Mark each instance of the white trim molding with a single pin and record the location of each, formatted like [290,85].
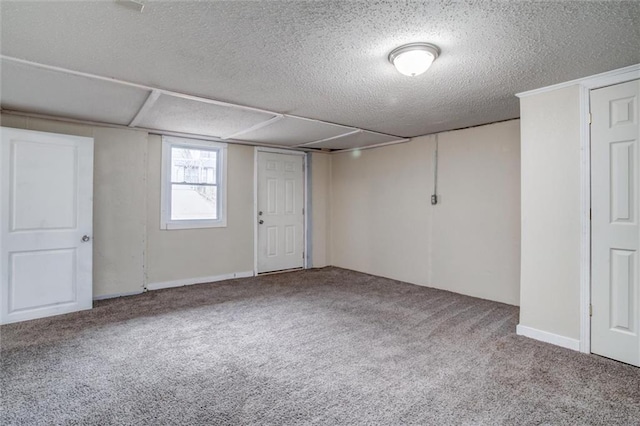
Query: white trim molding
[198,280]
[545,336]
[585,223]
[600,80]
[113,296]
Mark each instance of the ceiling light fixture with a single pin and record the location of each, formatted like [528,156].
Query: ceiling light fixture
[414,58]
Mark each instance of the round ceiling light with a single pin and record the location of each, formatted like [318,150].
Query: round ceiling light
[414,58]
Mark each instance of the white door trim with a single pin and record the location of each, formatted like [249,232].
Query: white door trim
[586,85]
[255,201]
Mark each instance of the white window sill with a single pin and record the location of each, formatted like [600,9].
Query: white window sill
[194,224]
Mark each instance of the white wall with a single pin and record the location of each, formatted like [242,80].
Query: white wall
[476,224]
[382,221]
[550,269]
[380,212]
[119,194]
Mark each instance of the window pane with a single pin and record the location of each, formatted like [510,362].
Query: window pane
[193,165]
[191,202]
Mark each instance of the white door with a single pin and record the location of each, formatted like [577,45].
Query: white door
[46,187]
[280,211]
[615,188]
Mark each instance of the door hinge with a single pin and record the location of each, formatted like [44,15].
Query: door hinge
[590,118]
[589,214]
[590,310]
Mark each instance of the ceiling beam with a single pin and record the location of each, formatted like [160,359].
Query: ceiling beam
[353,132]
[378,145]
[260,125]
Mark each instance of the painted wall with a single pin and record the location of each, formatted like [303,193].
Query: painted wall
[382,221]
[193,253]
[130,250]
[476,225]
[550,269]
[320,209]
[380,212]
[370,212]
[119,194]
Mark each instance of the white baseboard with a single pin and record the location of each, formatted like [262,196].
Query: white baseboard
[199,280]
[545,336]
[113,296]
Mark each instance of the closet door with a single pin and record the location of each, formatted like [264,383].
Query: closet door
[615,189]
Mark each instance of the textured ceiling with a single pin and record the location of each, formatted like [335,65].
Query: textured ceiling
[327,60]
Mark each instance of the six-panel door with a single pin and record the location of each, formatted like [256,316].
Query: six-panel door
[615,188]
[280,211]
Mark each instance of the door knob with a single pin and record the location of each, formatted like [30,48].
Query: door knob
[85,238]
[261,221]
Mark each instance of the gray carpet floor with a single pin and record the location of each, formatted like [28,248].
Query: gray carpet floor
[326,346]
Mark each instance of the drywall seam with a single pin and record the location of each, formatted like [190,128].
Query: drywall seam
[430,228]
[145,275]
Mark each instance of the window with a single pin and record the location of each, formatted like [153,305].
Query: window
[194,176]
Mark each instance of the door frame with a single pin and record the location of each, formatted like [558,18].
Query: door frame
[307,202]
[587,84]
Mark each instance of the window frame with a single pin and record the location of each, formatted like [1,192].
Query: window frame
[169,142]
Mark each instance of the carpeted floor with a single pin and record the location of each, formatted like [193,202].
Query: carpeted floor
[326,346]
